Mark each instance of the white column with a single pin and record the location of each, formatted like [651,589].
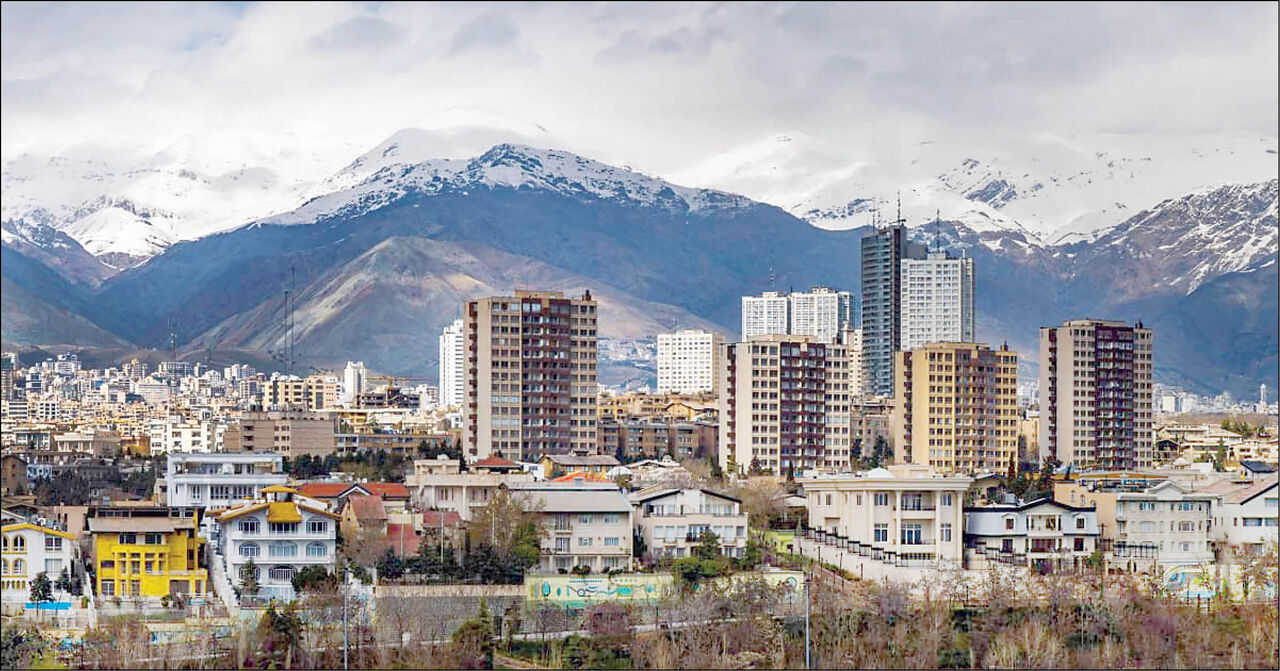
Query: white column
[871,516]
[896,532]
[937,524]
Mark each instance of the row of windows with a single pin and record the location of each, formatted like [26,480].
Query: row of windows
[19,543]
[283,549]
[251,527]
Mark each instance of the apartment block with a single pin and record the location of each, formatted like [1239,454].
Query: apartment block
[290,433]
[882,256]
[587,524]
[687,361]
[220,480]
[956,407]
[146,551]
[672,520]
[766,314]
[1095,394]
[936,300]
[821,313]
[785,404]
[311,393]
[453,365]
[531,375]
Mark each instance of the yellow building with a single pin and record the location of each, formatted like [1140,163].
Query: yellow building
[147,551]
[956,407]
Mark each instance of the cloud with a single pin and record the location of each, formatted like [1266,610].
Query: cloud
[659,86]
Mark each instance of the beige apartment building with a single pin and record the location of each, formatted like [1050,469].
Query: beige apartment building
[785,404]
[530,375]
[291,433]
[311,393]
[1095,394]
[956,407]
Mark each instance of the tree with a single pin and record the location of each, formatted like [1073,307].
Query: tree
[511,527]
[1220,457]
[41,589]
[638,546]
[389,565]
[315,579]
[473,641]
[1257,569]
[708,546]
[249,579]
[281,630]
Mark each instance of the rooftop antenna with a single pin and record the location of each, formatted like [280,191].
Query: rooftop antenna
[899,220]
[293,278]
[773,280]
[937,230]
[173,342]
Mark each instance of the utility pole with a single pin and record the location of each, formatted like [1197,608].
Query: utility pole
[807,579]
[345,645]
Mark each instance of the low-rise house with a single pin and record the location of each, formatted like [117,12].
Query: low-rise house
[220,479]
[334,495]
[439,484]
[554,465]
[29,550]
[364,516]
[671,521]
[587,524]
[279,534]
[147,551]
[902,515]
[1245,514]
[1165,525]
[1043,535]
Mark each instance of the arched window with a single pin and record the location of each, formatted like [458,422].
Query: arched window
[4,544]
[19,543]
[284,549]
[249,550]
[19,567]
[317,550]
[4,566]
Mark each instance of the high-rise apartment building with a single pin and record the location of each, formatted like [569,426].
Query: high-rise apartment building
[687,361]
[531,375]
[8,367]
[785,405]
[288,392]
[452,365]
[882,256]
[936,300]
[956,407]
[766,314]
[352,382]
[821,313]
[1095,394]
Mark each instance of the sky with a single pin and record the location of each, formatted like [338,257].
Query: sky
[658,86]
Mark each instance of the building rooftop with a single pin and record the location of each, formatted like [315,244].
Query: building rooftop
[367,507]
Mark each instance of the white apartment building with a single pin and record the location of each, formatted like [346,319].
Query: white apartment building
[902,515]
[453,365]
[785,405]
[687,361]
[936,300]
[29,550]
[176,434]
[221,479]
[821,313]
[281,536]
[1043,535]
[1167,524]
[151,390]
[587,524]
[766,314]
[1095,394]
[671,521]
[352,382]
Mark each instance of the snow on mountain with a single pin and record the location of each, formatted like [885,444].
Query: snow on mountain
[1051,189]
[505,165]
[118,230]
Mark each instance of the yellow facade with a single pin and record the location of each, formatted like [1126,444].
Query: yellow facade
[149,563]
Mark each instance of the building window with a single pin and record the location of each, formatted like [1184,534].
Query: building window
[946,532]
[280,574]
[249,527]
[882,533]
[611,518]
[912,502]
[108,588]
[317,527]
[284,549]
[127,539]
[584,541]
[317,550]
[1079,545]
[249,550]
[562,545]
[584,518]
[284,527]
[612,542]
[1008,524]
[1080,522]
[155,539]
[946,499]
[52,543]
[911,533]
[882,498]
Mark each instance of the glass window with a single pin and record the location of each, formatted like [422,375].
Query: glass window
[584,541]
[53,543]
[946,532]
[612,542]
[317,550]
[317,527]
[882,533]
[281,573]
[584,518]
[284,549]
[248,527]
[249,550]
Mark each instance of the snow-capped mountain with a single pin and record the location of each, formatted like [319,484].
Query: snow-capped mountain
[1052,189]
[506,166]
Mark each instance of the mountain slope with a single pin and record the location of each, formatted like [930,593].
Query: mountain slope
[37,305]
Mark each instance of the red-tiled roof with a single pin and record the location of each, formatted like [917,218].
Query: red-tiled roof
[402,539]
[496,462]
[431,518]
[367,507]
[387,490]
[323,490]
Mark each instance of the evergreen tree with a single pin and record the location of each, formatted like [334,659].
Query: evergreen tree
[41,589]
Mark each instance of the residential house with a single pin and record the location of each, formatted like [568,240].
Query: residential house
[587,524]
[146,551]
[364,516]
[279,534]
[902,515]
[220,479]
[1043,535]
[1166,525]
[29,550]
[334,495]
[672,520]
[441,485]
[554,465]
[1245,514]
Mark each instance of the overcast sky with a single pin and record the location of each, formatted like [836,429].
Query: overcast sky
[659,85]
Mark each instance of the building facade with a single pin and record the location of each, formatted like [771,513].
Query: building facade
[587,524]
[280,536]
[882,256]
[687,361]
[352,382]
[531,375]
[453,364]
[822,313]
[902,514]
[221,480]
[290,433]
[147,551]
[956,407]
[936,300]
[766,314]
[29,550]
[671,521]
[1167,524]
[1042,535]
[1095,394]
[785,405]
